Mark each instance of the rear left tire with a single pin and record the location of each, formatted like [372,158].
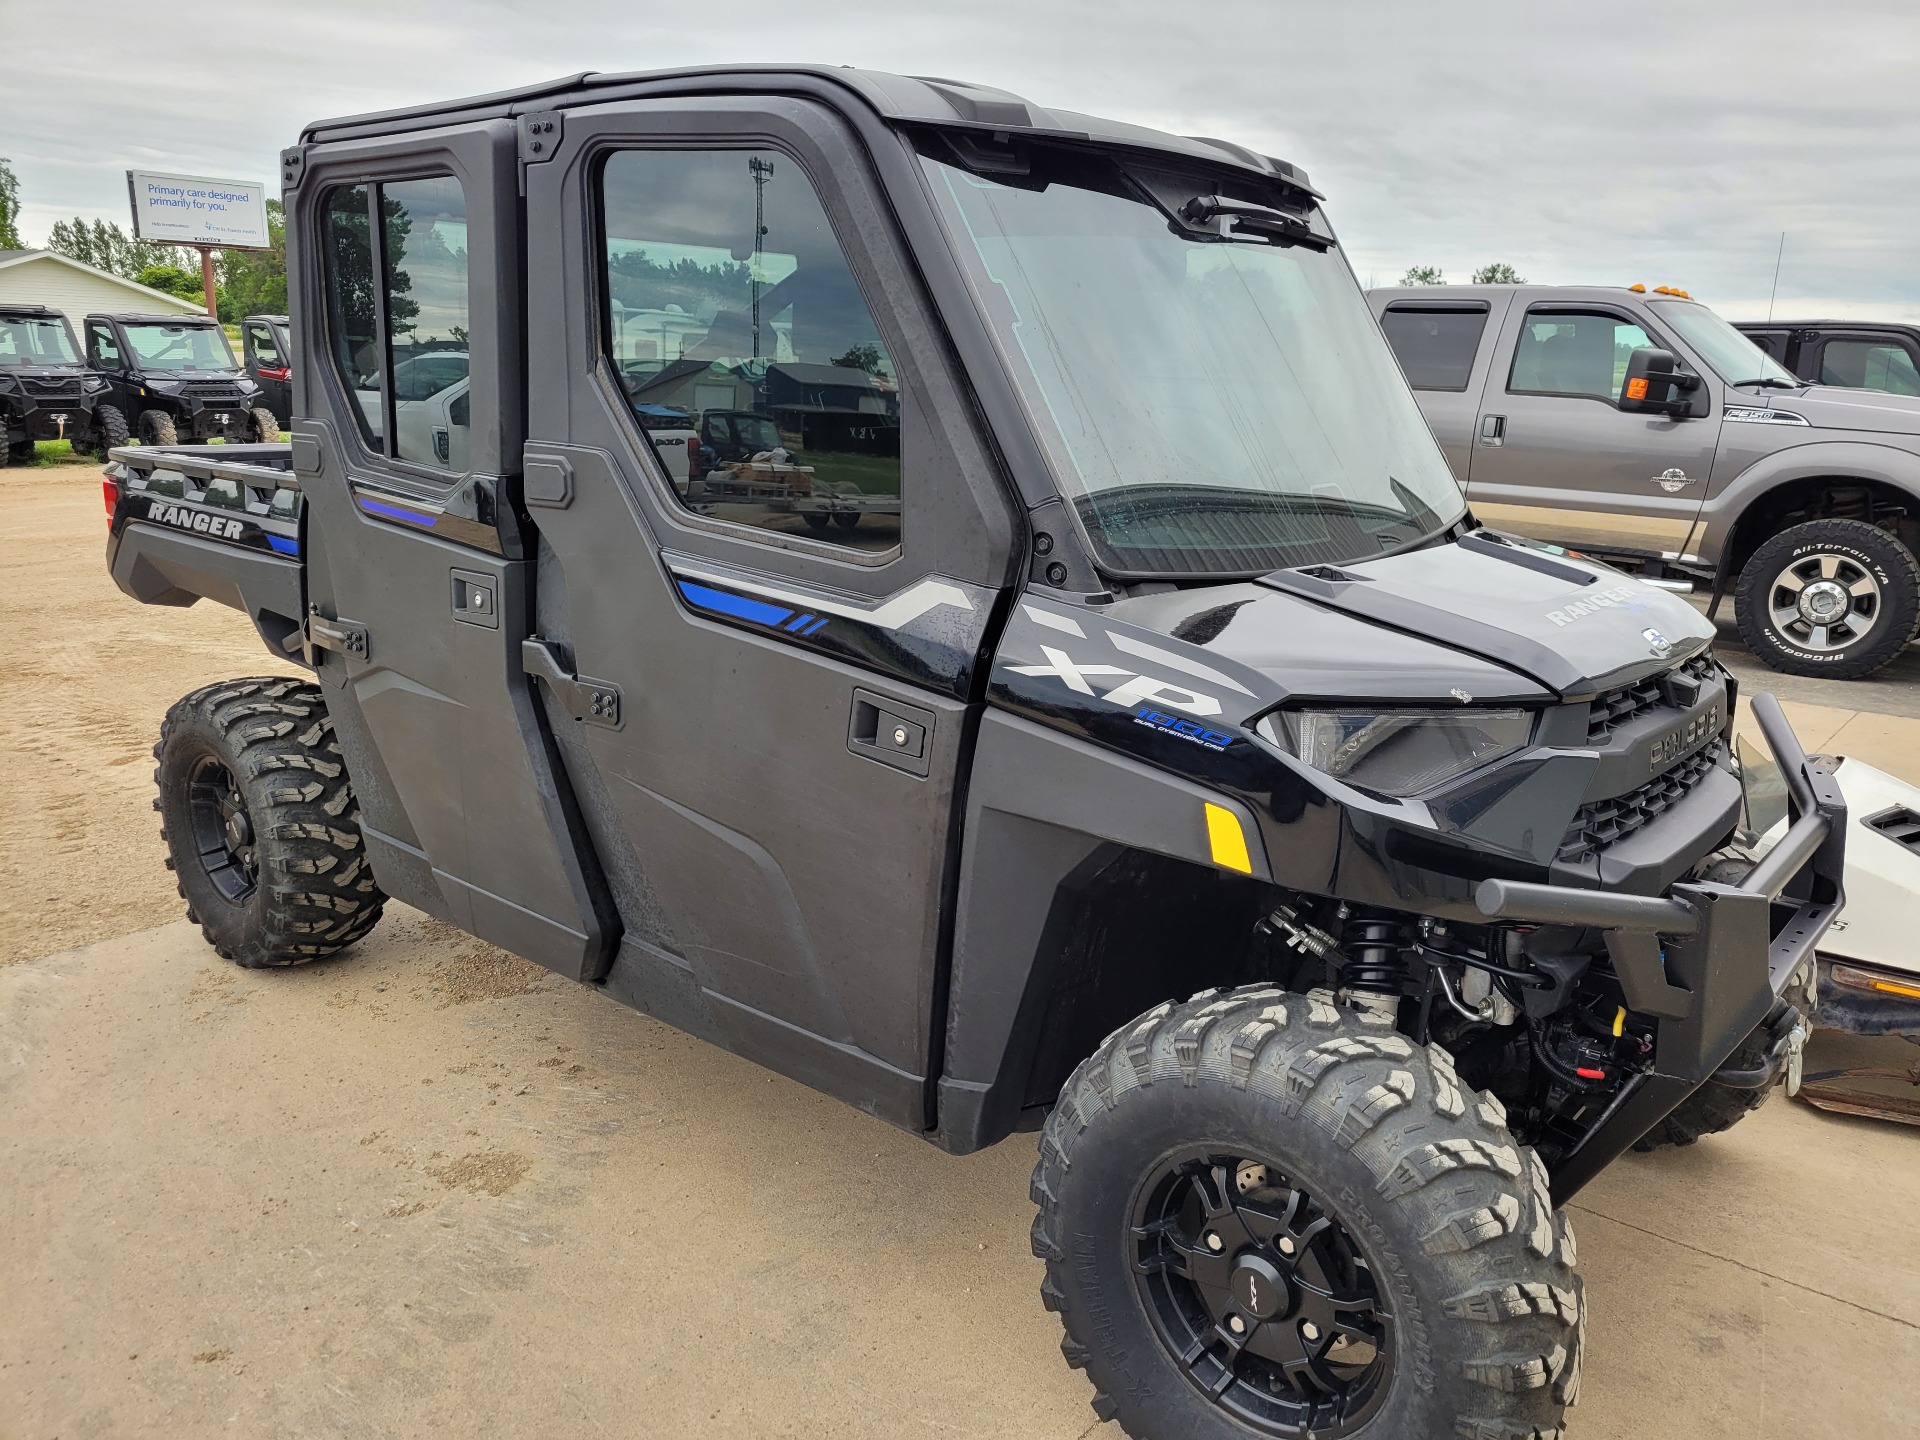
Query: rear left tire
[1262,1215]
[109,428]
[261,825]
[157,428]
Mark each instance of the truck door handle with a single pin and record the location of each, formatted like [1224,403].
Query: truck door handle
[595,701]
[1493,430]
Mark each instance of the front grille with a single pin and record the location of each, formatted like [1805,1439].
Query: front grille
[1608,822]
[1614,708]
[214,389]
[61,389]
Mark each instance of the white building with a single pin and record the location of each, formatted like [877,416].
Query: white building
[46,277]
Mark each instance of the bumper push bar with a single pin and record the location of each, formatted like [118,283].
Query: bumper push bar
[1709,961]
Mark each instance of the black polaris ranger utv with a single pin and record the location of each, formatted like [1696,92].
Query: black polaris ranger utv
[1336,885]
[266,351]
[174,378]
[45,392]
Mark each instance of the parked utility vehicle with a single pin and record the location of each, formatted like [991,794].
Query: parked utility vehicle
[1336,886]
[1850,354]
[1641,427]
[173,378]
[266,351]
[46,393]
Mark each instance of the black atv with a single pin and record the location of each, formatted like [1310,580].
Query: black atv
[173,379]
[45,392]
[267,351]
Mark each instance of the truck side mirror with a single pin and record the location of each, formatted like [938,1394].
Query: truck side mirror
[1655,385]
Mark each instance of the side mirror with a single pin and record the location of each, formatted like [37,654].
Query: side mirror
[1655,385]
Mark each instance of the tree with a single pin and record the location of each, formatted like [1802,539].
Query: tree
[1423,275]
[861,357]
[105,246]
[1498,273]
[171,278]
[9,208]
[254,282]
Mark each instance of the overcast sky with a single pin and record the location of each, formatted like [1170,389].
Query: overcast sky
[1601,142]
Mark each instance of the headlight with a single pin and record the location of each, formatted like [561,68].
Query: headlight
[1399,752]
[6,382]
[95,384]
[165,387]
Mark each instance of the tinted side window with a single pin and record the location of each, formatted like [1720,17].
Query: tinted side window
[425,294]
[1435,347]
[101,348]
[1869,365]
[352,325]
[260,337]
[1564,352]
[734,323]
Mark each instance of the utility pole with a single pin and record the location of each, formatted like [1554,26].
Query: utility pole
[762,172]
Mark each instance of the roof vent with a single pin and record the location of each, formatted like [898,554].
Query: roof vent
[984,105]
[1899,825]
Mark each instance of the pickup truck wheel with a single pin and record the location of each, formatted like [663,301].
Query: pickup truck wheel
[1263,1215]
[1833,598]
[260,823]
[156,428]
[263,428]
[109,428]
[817,520]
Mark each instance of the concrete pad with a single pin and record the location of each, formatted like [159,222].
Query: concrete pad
[428,1188]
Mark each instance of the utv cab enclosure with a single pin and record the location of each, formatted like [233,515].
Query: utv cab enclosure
[1162,759]
[266,351]
[173,378]
[45,390]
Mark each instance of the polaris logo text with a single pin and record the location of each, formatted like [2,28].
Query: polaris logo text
[1619,594]
[214,527]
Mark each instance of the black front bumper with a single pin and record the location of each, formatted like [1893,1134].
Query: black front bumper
[1709,961]
[48,419]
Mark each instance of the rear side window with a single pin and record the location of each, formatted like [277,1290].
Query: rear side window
[749,358]
[102,349]
[1869,365]
[1565,352]
[264,350]
[1435,347]
[400,343]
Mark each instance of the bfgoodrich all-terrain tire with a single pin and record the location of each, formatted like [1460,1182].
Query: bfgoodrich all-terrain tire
[261,825]
[1263,1215]
[1831,598]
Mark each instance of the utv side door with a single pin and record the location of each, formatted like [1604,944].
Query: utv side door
[417,580]
[1556,458]
[268,362]
[1866,360]
[770,716]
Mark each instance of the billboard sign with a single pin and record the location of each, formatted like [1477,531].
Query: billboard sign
[190,210]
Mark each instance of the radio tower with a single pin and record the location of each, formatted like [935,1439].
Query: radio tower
[762,172]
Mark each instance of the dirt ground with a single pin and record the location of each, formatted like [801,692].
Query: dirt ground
[426,1188]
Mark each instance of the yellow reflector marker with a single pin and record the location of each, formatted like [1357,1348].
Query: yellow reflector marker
[1229,841]
[1847,977]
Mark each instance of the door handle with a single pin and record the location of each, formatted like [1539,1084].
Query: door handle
[1493,430]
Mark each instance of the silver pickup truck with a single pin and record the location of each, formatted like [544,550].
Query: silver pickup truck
[1645,429]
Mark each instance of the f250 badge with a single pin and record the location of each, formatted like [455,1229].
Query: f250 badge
[214,527]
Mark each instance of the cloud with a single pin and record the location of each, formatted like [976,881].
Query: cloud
[1582,143]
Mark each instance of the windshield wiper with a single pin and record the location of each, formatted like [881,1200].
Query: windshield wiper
[1773,383]
[1264,220]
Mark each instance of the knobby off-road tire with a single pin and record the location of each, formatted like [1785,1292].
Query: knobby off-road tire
[157,428]
[266,429]
[1859,568]
[1713,1108]
[1401,1183]
[110,429]
[261,825]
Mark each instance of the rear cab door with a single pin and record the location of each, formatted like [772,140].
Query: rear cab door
[1557,459]
[767,703]
[267,359]
[1445,348]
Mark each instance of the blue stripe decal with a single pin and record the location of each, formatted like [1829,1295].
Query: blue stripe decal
[737,606]
[285,544]
[394,512]
[817,627]
[799,622]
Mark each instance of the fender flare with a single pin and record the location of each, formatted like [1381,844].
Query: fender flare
[1854,459]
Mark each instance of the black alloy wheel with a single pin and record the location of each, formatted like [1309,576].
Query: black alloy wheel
[1261,1295]
[223,836]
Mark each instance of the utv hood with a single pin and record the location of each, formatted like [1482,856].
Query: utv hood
[1484,618]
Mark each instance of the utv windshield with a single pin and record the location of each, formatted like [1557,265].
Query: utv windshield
[180,347]
[35,342]
[1734,358]
[1211,406]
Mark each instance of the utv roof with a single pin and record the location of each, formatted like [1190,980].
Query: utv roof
[896,99]
[20,307]
[137,317]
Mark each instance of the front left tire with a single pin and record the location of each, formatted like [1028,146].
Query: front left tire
[1263,1215]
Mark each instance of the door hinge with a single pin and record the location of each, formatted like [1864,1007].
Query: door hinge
[344,637]
[539,136]
[595,701]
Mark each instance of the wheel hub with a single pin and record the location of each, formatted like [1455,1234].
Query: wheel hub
[1261,1296]
[223,836]
[1824,602]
